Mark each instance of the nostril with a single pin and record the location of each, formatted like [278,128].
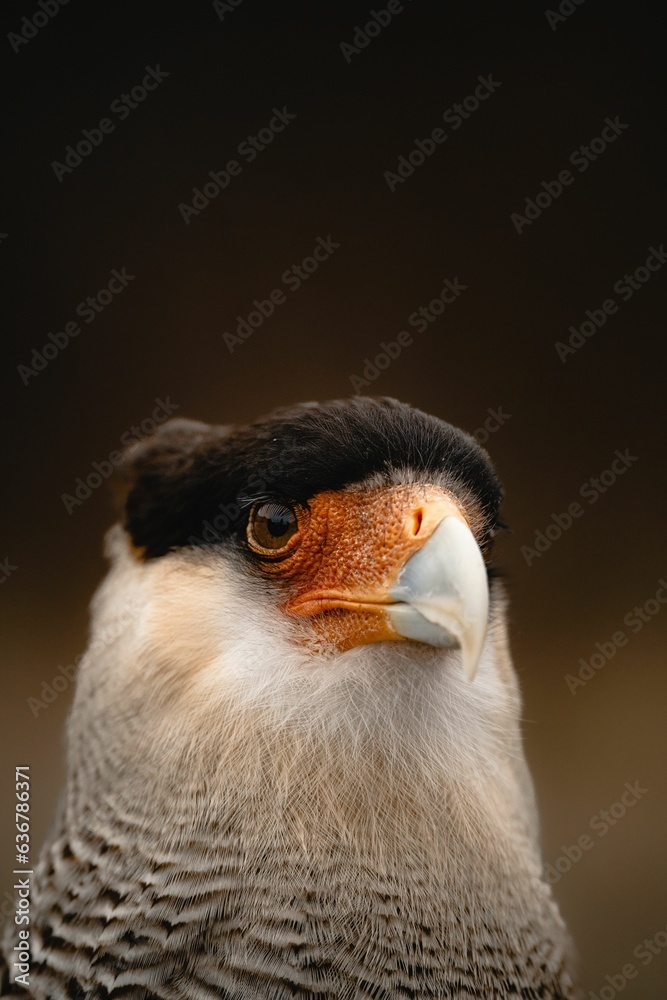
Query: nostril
[417,519]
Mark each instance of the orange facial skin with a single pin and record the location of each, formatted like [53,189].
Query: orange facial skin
[348,552]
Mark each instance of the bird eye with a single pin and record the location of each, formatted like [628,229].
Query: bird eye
[271,526]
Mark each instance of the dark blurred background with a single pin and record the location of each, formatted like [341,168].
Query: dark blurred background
[556,78]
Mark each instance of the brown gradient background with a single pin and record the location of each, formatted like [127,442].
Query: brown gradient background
[495,347]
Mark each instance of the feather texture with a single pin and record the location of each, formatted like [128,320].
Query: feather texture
[245,818]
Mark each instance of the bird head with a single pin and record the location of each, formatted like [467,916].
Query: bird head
[312,609]
[359,521]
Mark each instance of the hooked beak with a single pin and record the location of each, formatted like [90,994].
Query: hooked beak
[442,594]
[396,563]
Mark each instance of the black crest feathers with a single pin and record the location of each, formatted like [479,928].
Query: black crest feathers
[192,483]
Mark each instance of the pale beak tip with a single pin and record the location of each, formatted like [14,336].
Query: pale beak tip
[446,584]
